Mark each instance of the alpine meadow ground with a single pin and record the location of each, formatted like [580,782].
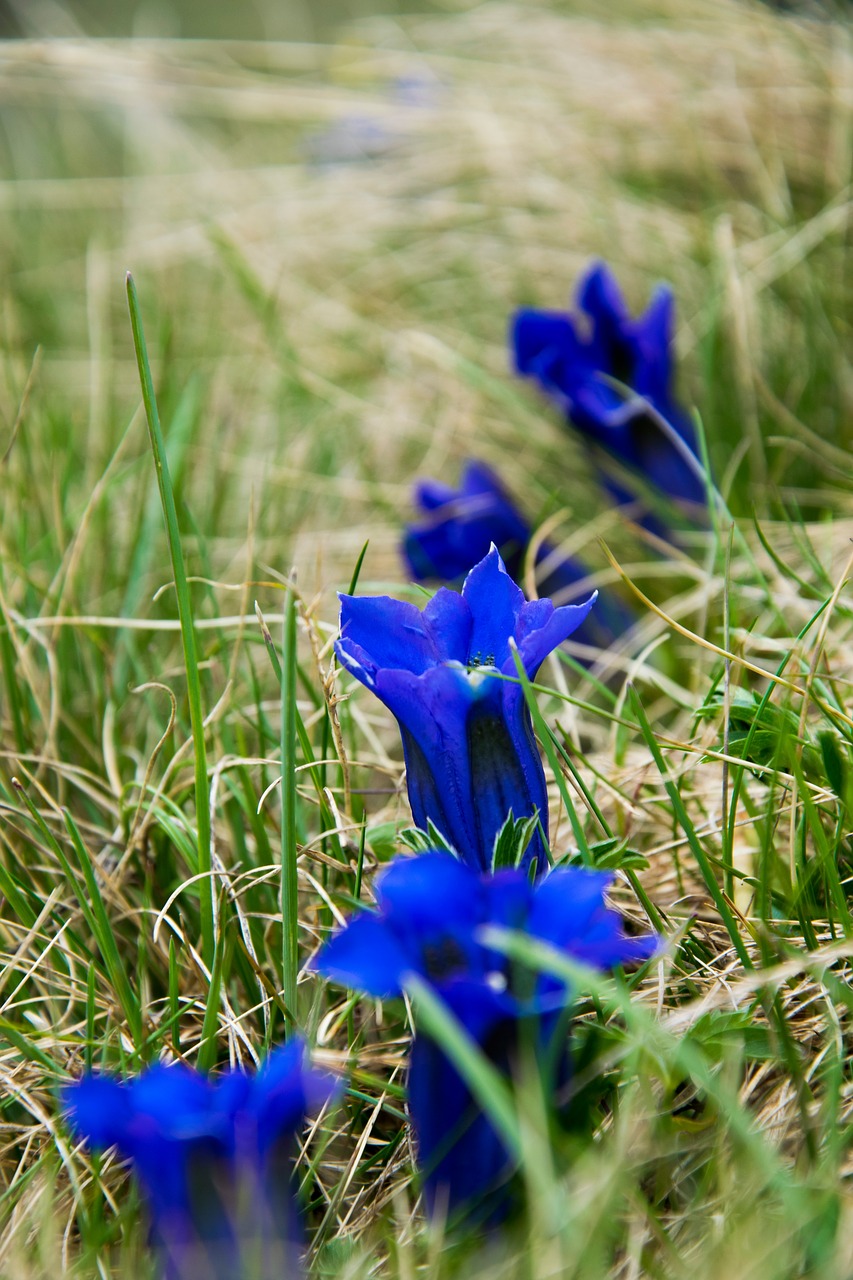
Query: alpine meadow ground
[327,244]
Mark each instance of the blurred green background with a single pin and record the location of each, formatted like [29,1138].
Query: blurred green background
[253,19]
[215,19]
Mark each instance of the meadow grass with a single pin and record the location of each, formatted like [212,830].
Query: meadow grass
[325,305]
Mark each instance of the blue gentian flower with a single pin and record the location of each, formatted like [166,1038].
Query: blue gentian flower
[432,912]
[471,757]
[460,525]
[213,1157]
[577,362]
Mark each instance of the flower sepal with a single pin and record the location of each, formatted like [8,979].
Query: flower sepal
[513,840]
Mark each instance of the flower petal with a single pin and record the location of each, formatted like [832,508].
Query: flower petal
[559,580]
[429,894]
[464,1162]
[510,896]
[578,372]
[99,1110]
[470,757]
[176,1102]
[448,620]
[378,632]
[367,956]
[653,338]
[495,603]
[565,901]
[506,775]
[433,712]
[542,628]
[542,340]
[429,495]
[284,1090]
[660,459]
[599,295]
[569,911]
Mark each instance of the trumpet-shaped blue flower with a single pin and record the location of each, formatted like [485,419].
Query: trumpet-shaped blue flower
[460,525]
[448,674]
[578,364]
[432,916]
[213,1157]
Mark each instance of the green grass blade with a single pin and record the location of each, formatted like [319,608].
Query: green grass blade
[174,997]
[544,735]
[289,883]
[683,819]
[94,913]
[646,1032]
[167,498]
[27,1048]
[181,427]
[98,920]
[356,573]
[207,1046]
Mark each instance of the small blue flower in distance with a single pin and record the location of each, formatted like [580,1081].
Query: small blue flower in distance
[577,362]
[460,525]
[213,1157]
[432,912]
[471,757]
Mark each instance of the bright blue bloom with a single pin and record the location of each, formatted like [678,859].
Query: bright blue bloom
[459,527]
[468,742]
[576,360]
[213,1157]
[431,917]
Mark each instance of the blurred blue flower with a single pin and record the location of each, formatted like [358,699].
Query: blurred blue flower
[471,757]
[577,362]
[460,525]
[213,1156]
[430,922]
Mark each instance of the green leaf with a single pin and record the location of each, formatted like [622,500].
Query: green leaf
[834,763]
[512,840]
[760,732]
[612,855]
[420,841]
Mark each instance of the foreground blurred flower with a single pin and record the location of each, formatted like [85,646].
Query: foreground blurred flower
[579,364]
[471,757]
[461,524]
[214,1158]
[431,918]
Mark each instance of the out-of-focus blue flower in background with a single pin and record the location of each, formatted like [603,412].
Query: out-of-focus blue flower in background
[448,675]
[459,525]
[213,1156]
[432,914]
[612,375]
